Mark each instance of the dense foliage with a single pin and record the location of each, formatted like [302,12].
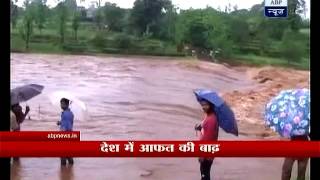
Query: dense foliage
[158,27]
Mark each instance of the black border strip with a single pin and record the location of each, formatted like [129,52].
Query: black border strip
[315,96]
[5,81]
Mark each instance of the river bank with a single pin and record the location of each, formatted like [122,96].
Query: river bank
[143,99]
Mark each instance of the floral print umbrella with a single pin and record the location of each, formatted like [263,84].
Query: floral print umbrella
[289,113]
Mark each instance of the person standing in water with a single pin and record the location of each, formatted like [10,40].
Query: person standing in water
[13,122]
[20,116]
[66,124]
[17,118]
[209,132]
[289,161]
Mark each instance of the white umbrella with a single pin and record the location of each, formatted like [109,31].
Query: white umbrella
[77,106]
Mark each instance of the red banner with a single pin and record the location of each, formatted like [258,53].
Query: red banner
[161,149]
[40,136]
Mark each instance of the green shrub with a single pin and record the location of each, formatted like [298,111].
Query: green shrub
[75,47]
[111,50]
[223,46]
[292,49]
[44,39]
[17,44]
[99,41]
[123,41]
[148,46]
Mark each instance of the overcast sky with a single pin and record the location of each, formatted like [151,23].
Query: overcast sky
[183,4]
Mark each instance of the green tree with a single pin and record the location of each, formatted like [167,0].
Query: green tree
[205,29]
[14,13]
[197,33]
[83,14]
[167,23]
[26,29]
[295,8]
[98,17]
[292,49]
[221,37]
[71,5]
[306,23]
[222,45]
[62,13]
[239,30]
[41,13]
[146,15]
[75,24]
[274,27]
[114,16]
[257,9]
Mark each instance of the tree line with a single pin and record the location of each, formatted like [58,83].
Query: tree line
[223,32]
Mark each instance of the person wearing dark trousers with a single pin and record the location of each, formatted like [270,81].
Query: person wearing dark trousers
[205,168]
[65,160]
[66,124]
[209,131]
[289,161]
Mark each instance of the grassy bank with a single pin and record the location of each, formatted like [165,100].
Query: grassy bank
[121,44]
[255,60]
[92,43]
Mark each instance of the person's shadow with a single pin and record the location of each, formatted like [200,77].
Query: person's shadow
[66,173]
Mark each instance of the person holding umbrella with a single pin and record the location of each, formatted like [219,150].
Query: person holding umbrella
[66,124]
[23,94]
[217,113]
[13,121]
[17,118]
[20,116]
[289,161]
[18,95]
[209,132]
[289,114]
[77,106]
[72,109]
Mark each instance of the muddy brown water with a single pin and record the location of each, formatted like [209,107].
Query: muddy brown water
[130,98]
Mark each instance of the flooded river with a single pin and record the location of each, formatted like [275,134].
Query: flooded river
[130,98]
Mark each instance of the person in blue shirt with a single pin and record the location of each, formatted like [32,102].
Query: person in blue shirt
[66,124]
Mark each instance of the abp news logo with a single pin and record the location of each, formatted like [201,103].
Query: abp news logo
[276,8]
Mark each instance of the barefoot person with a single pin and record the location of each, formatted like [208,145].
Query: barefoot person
[17,118]
[13,127]
[209,130]
[66,124]
[302,163]
[20,116]
[13,122]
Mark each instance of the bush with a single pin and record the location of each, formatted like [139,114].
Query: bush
[292,49]
[17,44]
[112,50]
[152,45]
[75,47]
[44,38]
[123,41]
[223,46]
[99,41]
[292,52]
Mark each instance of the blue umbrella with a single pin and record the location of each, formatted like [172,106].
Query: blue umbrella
[289,113]
[225,115]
